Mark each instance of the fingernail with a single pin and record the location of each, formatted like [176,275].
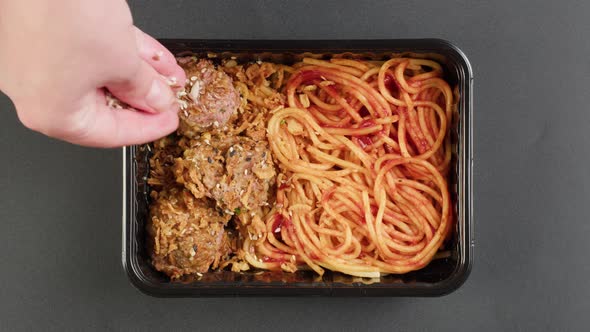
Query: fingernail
[172,82]
[160,96]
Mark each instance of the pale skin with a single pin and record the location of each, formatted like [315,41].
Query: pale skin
[58,57]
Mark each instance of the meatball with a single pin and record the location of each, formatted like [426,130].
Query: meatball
[210,98]
[200,169]
[186,234]
[250,176]
[237,172]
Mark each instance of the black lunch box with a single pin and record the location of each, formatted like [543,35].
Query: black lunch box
[440,277]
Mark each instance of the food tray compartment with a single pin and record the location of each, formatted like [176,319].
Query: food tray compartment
[440,277]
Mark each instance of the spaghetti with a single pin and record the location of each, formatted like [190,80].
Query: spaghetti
[364,152]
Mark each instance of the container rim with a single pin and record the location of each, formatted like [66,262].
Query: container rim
[465,161]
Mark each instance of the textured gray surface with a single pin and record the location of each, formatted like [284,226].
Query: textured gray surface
[60,205]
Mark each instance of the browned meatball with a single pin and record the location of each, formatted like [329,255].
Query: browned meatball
[200,169]
[210,98]
[186,234]
[250,176]
[238,175]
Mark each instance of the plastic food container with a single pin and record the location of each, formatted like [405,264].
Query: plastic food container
[440,277]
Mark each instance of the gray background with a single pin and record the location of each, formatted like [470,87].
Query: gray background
[60,205]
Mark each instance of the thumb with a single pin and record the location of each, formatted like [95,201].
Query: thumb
[102,126]
[145,90]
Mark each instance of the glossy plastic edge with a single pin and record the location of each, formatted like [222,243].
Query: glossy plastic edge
[445,287]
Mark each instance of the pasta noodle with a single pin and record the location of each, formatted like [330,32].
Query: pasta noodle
[364,152]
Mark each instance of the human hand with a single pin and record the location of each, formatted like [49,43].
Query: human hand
[57,59]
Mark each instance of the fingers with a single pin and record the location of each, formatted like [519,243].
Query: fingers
[126,127]
[146,90]
[156,55]
[140,79]
[106,127]
[149,87]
